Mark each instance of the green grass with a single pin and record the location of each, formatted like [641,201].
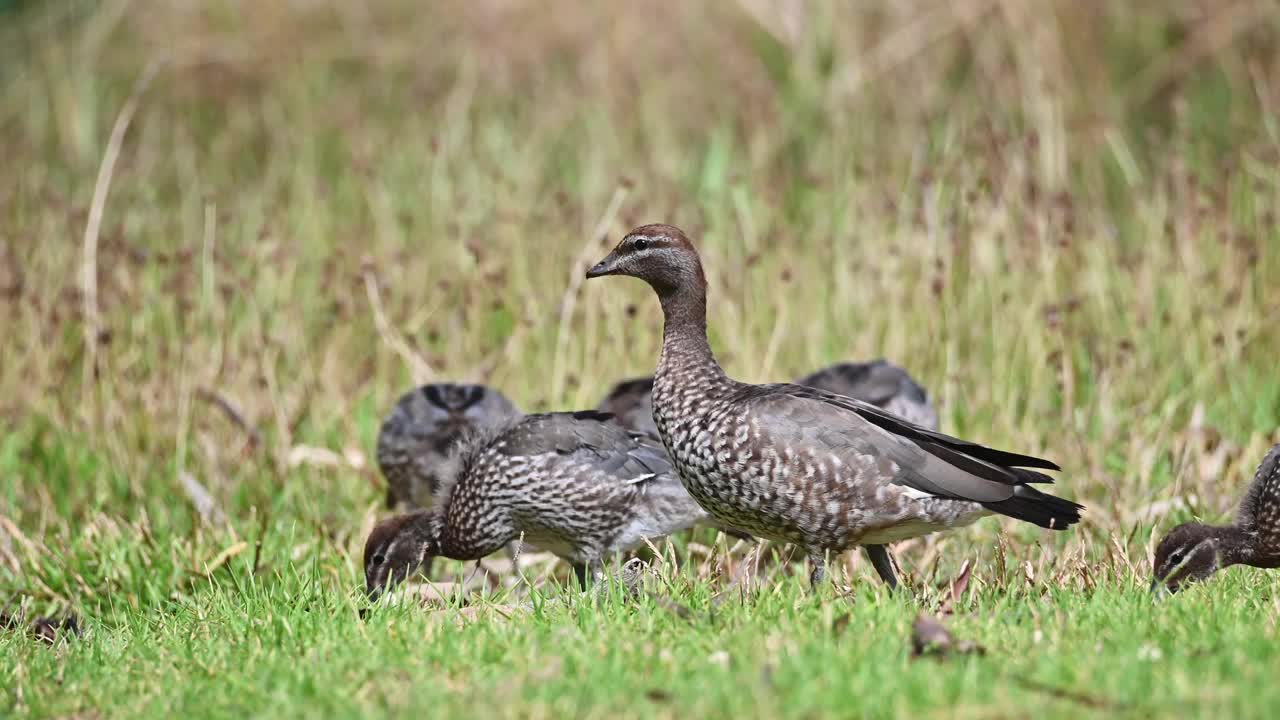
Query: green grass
[1061,218]
[293,646]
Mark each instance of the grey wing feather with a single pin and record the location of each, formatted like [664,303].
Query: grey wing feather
[590,438]
[898,426]
[927,461]
[558,432]
[651,456]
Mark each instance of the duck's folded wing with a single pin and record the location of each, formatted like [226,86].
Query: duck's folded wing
[591,439]
[902,428]
[855,432]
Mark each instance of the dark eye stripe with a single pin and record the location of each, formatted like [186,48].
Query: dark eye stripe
[447,396]
[432,393]
[475,394]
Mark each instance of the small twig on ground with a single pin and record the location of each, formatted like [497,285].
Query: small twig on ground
[1093,701]
[93,226]
[422,371]
[213,397]
[263,517]
[569,300]
[681,611]
[930,637]
[958,586]
[200,498]
[11,531]
[223,557]
[6,550]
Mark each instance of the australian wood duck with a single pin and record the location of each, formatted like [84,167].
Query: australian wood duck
[576,484]
[1192,552]
[426,422]
[803,465]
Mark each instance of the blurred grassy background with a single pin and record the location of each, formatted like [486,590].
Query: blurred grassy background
[1060,215]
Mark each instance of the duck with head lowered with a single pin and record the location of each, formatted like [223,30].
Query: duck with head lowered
[573,483]
[1192,551]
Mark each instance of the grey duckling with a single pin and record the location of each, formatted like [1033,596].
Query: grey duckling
[423,427]
[880,383]
[802,465]
[631,404]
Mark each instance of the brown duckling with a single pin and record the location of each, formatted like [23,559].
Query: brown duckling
[1193,551]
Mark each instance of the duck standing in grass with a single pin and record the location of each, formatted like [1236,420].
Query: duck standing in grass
[1192,552]
[802,465]
[575,484]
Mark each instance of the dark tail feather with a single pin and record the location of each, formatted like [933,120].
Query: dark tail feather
[1040,508]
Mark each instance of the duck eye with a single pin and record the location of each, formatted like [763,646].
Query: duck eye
[640,243]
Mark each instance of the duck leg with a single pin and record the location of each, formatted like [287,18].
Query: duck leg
[879,556]
[817,568]
[513,551]
[587,571]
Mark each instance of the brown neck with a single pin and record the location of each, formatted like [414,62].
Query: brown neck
[684,335]
[1236,546]
[467,536]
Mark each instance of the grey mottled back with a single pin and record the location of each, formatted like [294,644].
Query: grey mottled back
[827,472]
[631,404]
[576,484]
[879,383]
[1259,513]
[422,428]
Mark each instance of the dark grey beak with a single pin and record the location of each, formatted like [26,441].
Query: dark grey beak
[607,266]
[375,587]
